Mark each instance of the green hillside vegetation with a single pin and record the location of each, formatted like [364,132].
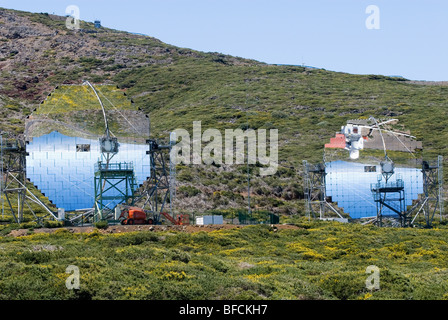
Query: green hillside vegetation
[69,98]
[306,106]
[11,115]
[77,111]
[176,86]
[319,260]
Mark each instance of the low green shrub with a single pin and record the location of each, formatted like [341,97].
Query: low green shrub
[102,224]
[189,191]
[53,224]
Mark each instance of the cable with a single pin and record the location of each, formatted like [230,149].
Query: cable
[136,130]
[382,138]
[102,107]
[396,136]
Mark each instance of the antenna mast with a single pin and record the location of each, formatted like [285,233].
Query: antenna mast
[172,185]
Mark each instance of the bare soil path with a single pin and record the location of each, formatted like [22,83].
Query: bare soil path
[133,228]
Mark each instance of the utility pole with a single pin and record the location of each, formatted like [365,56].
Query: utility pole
[172,183]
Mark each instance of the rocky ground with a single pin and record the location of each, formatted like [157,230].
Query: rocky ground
[35,48]
[123,229]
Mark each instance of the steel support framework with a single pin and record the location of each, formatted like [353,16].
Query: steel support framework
[172,175]
[431,201]
[158,187]
[390,195]
[13,181]
[153,194]
[14,176]
[114,182]
[315,191]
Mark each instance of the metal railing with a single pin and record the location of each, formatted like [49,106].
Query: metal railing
[399,184]
[116,166]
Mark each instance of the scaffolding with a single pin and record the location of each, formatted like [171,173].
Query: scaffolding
[172,175]
[431,200]
[409,195]
[13,182]
[390,195]
[153,195]
[316,200]
[114,184]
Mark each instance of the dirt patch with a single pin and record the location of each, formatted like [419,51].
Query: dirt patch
[19,232]
[123,229]
[245,265]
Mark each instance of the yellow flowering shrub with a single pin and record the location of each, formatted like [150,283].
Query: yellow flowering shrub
[259,278]
[174,275]
[306,253]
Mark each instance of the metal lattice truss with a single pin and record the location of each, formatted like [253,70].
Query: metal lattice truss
[431,201]
[114,182]
[390,195]
[14,193]
[156,191]
[315,191]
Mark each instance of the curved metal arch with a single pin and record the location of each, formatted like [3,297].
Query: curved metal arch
[102,107]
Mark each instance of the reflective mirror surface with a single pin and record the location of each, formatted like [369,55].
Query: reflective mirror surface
[62,167]
[348,184]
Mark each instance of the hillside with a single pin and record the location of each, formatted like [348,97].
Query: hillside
[298,259]
[308,261]
[177,86]
[37,53]
[65,109]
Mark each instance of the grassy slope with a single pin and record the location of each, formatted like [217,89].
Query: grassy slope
[177,86]
[321,260]
[324,260]
[306,106]
[79,98]
[13,111]
[77,106]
